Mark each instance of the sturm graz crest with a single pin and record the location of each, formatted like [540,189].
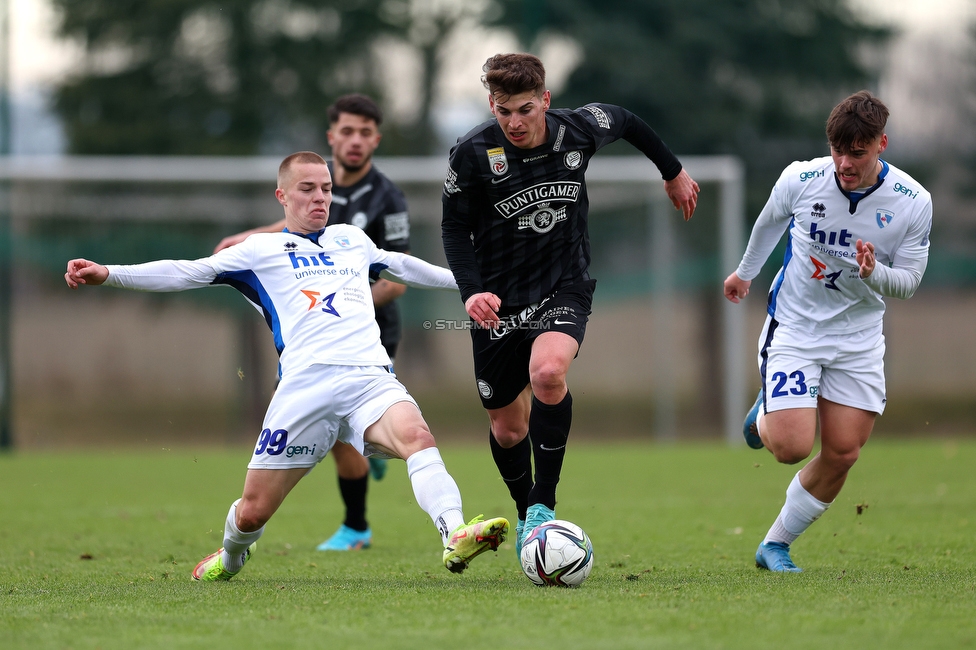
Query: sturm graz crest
[573,159]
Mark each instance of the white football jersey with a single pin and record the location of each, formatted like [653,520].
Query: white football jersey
[819,286]
[313,290]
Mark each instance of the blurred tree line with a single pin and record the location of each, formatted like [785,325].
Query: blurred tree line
[254,76]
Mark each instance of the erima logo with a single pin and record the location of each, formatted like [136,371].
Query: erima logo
[566,191]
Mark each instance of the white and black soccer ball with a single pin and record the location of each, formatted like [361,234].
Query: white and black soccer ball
[557,553]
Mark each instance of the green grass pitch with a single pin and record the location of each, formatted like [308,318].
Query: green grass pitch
[96,550]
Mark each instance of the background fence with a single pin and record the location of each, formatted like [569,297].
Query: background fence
[665,355]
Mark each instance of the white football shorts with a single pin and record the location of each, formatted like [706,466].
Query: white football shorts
[798,367]
[314,407]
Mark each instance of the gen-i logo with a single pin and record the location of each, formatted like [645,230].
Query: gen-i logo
[907,191]
[805,176]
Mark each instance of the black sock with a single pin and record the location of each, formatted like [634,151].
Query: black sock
[549,429]
[353,491]
[515,466]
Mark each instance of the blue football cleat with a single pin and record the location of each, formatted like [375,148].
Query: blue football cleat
[536,515]
[775,556]
[519,531]
[750,428]
[347,539]
[377,467]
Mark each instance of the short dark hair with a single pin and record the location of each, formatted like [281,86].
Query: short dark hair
[858,120]
[296,158]
[513,74]
[356,104]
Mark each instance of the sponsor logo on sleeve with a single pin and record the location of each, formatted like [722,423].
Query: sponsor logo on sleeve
[397,226]
[904,189]
[497,161]
[450,183]
[602,119]
[805,176]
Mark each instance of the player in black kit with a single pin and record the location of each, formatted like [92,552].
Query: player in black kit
[363,197]
[515,235]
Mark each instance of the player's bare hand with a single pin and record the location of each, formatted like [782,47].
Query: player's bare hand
[483,308]
[231,240]
[865,257]
[82,271]
[683,192]
[736,288]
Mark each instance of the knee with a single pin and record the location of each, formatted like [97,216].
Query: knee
[251,516]
[787,452]
[547,378]
[415,437]
[789,456]
[841,460]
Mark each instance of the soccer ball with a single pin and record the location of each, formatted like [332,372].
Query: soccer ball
[557,553]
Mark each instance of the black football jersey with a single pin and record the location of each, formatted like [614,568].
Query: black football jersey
[378,207]
[515,220]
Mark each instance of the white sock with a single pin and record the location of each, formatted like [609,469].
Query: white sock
[800,510]
[235,541]
[436,492]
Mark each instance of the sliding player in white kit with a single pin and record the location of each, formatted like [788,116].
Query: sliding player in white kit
[312,285]
[858,232]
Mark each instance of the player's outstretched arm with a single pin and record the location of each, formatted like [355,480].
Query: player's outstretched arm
[736,288]
[683,192]
[233,240]
[82,271]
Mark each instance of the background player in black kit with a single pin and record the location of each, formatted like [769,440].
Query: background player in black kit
[515,235]
[363,197]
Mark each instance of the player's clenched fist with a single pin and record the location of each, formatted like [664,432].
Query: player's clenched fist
[483,308]
[83,271]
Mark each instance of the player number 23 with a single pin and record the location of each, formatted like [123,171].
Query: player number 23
[799,386]
[273,443]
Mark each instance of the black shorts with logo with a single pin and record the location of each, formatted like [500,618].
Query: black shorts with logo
[501,356]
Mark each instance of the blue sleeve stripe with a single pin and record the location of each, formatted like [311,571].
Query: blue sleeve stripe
[248,284]
[376,267]
[778,283]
